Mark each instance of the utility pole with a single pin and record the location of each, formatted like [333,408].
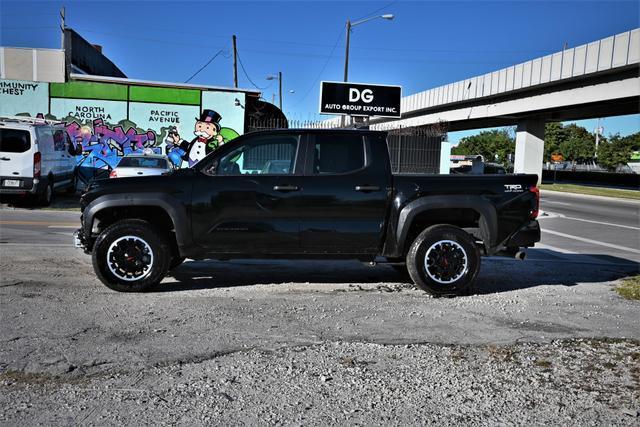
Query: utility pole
[62,28]
[346,53]
[235,62]
[598,130]
[346,65]
[280,88]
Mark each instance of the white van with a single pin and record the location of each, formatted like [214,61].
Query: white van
[36,157]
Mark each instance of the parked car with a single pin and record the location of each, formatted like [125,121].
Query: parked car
[339,200]
[37,157]
[142,165]
[484,168]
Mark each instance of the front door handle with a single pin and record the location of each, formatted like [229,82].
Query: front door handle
[367,188]
[5,158]
[286,188]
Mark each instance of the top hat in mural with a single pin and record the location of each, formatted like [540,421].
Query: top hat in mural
[210,116]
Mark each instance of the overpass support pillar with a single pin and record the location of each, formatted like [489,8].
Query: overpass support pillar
[529,147]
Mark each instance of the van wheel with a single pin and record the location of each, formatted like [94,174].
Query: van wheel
[131,256]
[444,260]
[46,197]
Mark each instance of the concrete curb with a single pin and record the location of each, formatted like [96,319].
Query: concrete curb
[592,197]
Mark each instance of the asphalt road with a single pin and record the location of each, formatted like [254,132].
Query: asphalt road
[591,229]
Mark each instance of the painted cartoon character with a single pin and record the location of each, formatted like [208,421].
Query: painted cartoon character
[174,152]
[208,138]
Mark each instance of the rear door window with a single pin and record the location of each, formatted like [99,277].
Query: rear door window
[14,140]
[46,143]
[338,154]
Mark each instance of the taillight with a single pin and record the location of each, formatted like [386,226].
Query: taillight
[37,164]
[536,191]
[113,174]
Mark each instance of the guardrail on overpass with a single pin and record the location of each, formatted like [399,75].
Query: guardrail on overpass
[606,54]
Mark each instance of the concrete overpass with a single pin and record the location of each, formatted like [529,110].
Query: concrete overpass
[598,79]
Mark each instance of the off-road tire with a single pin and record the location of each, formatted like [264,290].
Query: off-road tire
[144,231]
[463,245]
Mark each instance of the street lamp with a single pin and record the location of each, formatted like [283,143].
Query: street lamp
[279,78]
[350,24]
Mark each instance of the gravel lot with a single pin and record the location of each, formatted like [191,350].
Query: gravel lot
[571,382]
[314,343]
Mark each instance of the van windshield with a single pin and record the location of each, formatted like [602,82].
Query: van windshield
[14,140]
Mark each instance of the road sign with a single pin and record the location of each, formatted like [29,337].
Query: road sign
[557,157]
[360,99]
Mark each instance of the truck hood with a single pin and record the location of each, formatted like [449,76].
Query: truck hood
[175,183]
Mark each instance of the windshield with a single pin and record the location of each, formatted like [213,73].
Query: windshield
[14,140]
[143,162]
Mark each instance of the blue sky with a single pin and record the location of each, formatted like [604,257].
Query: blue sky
[428,43]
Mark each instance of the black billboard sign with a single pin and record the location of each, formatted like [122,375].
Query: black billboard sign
[360,99]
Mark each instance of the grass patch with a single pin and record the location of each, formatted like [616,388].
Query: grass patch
[629,288]
[593,191]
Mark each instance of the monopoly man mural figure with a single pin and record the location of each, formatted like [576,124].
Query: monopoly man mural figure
[208,138]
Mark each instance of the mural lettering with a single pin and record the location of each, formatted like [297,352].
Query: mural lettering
[105,139]
[164,116]
[16,88]
[84,112]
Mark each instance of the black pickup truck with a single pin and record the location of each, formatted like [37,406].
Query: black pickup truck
[307,193]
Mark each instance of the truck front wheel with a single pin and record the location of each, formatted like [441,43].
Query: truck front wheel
[444,260]
[131,256]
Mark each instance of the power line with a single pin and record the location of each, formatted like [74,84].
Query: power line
[205,65]
[29,28]
[128,36]
[322,69]
[246,74]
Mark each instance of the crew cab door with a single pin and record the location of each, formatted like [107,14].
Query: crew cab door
[346,190]
[246,196]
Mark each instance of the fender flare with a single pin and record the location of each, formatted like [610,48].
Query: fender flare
[488,221]
[170,205]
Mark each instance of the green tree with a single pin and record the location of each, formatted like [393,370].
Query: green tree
[580,144]
[493,145]
[554,135]
[617,150]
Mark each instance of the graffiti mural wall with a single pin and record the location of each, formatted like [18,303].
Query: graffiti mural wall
[111,120]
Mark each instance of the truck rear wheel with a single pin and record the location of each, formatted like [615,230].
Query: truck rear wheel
[131,256]
[444,260]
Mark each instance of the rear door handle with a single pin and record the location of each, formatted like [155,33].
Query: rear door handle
[286,188]
[367,188]
[139,173]
[5,158]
